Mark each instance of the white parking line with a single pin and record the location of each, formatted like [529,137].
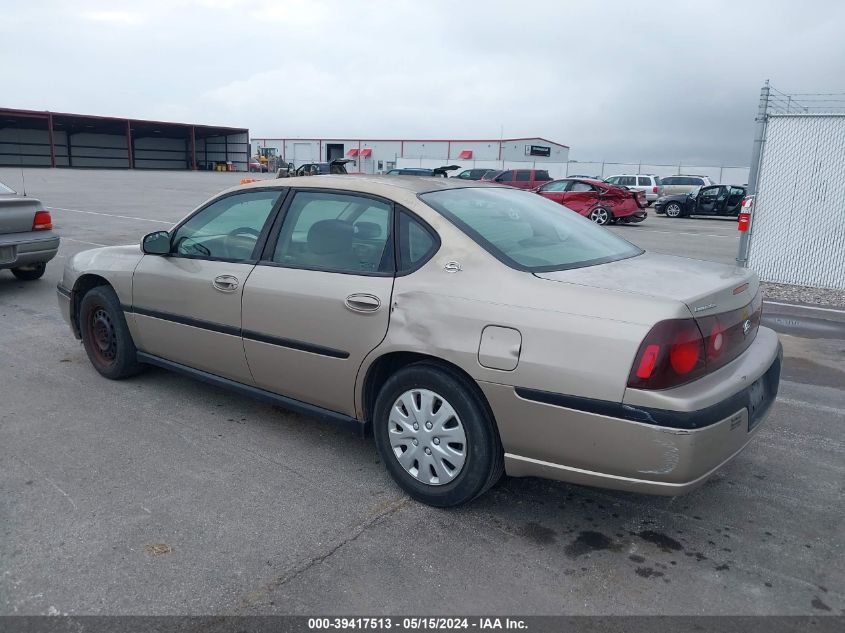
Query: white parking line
[113,215]
[803,307]
[70,239]
[733,237]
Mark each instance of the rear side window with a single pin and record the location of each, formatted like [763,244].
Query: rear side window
[644,180]
[417,243]
[336,232]
[542,174]
[580,186]
[523,175]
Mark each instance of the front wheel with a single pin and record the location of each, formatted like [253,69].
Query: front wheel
[435,436]
[106,336]
[673,210]
[601,216]
[31,272]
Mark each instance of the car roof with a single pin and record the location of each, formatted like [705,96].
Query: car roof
[370,184]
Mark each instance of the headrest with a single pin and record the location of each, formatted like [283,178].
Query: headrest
[367,230]
[329,236]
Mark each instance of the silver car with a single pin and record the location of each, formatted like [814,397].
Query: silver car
[675,185]
[472,328]
[648,183]
[27,240]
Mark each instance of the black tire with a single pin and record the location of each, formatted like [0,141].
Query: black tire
[484,461]
[30,273]
[671,207]
[106,336]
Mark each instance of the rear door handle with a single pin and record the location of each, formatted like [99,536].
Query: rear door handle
[225,283]
[363,302]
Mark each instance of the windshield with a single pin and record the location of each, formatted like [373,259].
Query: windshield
[5,190]
[527,231]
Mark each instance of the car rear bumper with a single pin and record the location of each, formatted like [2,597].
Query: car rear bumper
[632,446]
[32,247]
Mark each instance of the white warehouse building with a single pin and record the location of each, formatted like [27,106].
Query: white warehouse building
[371,156]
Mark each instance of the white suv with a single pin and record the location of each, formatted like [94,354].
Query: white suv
[673,185]
[649,183]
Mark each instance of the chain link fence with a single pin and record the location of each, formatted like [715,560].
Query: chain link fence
[798,223]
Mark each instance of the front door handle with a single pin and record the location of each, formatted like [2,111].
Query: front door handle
[225,283]
[362,302]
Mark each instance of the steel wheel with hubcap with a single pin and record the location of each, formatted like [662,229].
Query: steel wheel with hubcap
[600,216]
[427,437]
[435,434]
[673,210]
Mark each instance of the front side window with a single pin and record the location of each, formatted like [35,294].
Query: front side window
[613,180]
[523,175]
[627,181]
[227,228]
[558,185]
[336,232]
[527,231]
[670,180]
[505,176]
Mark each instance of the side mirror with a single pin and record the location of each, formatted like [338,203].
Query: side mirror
[157,243]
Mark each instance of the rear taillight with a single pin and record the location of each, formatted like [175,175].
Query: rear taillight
[654,190]
[671,354]
[42,221]
[678,351]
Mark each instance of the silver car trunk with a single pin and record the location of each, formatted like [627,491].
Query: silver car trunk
[705,287]
[17,213]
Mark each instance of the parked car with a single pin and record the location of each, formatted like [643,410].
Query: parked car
[584,176]
[599,201]
[442,172]
[648,183]
[520,178]
[593,366]
[337,167]
[712,200]
[27,240]
[671,185]
[475,174]
[256,165]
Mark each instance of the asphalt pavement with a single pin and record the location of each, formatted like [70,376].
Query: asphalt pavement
[163,495]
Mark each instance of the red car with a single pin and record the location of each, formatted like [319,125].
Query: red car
[600,201]
[520,178]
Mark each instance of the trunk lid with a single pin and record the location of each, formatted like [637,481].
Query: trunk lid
[17,213]
[707,288]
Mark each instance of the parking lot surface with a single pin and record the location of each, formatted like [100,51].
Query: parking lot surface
[162,495]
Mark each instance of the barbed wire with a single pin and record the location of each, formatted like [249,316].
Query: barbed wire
[780,102]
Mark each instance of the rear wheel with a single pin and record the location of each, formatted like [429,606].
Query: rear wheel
[601,216]
[673,210]
[31,272]
[435,436]
[105,334]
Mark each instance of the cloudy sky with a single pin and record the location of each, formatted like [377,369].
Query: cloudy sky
[626,81]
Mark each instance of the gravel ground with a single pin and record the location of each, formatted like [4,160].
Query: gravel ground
[804,294]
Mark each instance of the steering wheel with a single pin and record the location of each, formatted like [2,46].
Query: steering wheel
[240,242]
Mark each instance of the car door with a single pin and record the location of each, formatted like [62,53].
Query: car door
[554,190]
[734,202]
[506,178]
[187,305]
[319,299]
[522,179]
[707,200]
[580,196]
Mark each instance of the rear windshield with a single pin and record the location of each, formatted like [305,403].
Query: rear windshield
[527,231]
